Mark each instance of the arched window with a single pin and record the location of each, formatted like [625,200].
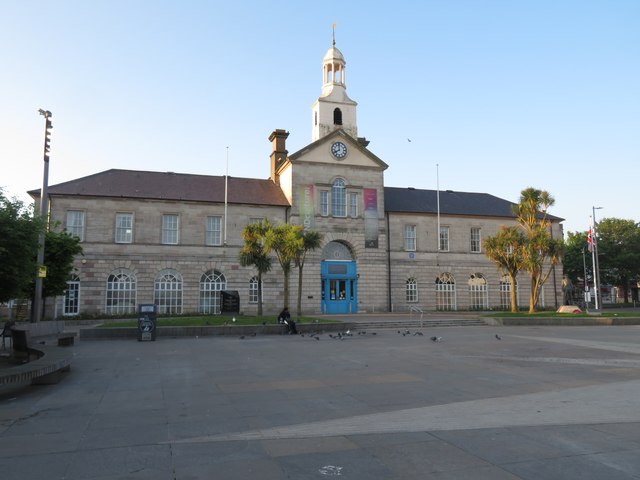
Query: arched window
[411,290]
[211,283]
[338,198]
[478,298]
[121,293]
[72,297]
[445,292]
[167,292]
[505,293]
[337,116]
[253,290]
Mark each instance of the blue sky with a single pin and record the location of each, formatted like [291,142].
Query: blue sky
[500,94]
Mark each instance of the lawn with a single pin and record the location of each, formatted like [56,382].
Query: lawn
[214,320]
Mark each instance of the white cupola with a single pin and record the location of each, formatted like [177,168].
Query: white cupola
[334,109]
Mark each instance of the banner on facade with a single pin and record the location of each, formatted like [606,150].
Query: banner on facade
[370,217]
[307,206]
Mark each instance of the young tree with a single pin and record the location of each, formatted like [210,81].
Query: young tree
[541,252]
[505,249]
[619,252]
[285,241]
[253,253]
[19,231]
[311,240]
[60,249]
[576,258]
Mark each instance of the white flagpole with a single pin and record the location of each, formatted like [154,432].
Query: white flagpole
[226,184]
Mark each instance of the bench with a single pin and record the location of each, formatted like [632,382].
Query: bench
[47,331]
[41,365]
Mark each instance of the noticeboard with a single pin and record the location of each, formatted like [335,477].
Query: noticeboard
[230,301]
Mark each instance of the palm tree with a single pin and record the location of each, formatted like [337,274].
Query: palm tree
[311,240]
[253,253]
[505,249]
[541,252]
[285,241]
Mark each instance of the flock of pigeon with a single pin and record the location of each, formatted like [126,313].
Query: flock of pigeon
[349,333]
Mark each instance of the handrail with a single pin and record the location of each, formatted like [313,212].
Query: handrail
[414,308]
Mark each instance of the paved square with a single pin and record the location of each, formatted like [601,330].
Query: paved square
[541,403]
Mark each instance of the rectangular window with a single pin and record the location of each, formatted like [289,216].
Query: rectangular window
[444,239]
[353,205]
[324,203]
[475,240]
[170,229]
[410,238]
[75,223]
[214,231]
[124,227]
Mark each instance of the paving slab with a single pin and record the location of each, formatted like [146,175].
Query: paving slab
[544,402]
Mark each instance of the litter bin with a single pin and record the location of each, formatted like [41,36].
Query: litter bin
[146,322]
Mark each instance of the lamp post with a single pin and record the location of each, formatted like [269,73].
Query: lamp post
[36,312]
[596,264]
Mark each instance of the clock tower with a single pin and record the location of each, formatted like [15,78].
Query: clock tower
[334,109]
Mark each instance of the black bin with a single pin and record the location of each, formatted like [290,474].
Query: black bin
[146,322]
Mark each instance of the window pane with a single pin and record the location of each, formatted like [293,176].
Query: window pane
[353,205]
[168,292]
[214,231]
[410,238]
[75,223]
[324,203]
[475,240]
[124,227]
[338,199]
[444,239]
[170,229]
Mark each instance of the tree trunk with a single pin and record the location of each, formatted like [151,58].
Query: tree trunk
[299,291]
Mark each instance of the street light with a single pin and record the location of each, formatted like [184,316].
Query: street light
[596,265]
[36,314]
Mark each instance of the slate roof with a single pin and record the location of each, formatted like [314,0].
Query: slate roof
[411,200]
[171,186]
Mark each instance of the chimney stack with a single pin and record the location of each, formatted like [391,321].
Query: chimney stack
[278,139]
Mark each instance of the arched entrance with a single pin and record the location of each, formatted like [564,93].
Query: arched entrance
[339,279]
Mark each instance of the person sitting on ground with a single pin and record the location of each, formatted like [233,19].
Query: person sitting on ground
[285,317]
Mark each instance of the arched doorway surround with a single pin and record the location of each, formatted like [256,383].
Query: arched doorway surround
[339,279]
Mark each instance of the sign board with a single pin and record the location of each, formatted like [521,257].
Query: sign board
[230,301]
[42,271]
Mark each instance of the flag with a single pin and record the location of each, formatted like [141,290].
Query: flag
[589,240]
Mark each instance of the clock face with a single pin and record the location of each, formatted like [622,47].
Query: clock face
[339,150]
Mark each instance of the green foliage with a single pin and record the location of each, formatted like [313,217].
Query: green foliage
[506,249]
[253,252]
[19,231]
[59,252]
[619,252]
[577,258]
[529,246]
[285,241]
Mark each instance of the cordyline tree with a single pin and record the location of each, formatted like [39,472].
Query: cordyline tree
[311,240]
[505,249]
[539,252]
[253,253]
[285,241]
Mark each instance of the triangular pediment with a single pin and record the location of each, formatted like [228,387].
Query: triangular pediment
[320,151]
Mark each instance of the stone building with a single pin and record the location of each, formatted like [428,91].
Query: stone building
[173,239]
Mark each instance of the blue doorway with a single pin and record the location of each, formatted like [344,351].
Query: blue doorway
[339,286]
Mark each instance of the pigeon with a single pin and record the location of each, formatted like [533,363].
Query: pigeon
[241,337]
[498,337]
[317,338]
[436,339]
[418,333]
